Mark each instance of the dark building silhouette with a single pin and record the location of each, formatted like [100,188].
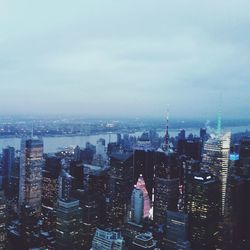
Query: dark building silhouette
[166,185]
[92,201]
[77,154]
[50,181]
[203,134]
[143,162]
[237,217]
[8,162]
[182,135]
[96,179]
[85,155]
[13,193]
[176,233]
[166,197]
[69,233]
[190,147]
[77,172]
[93,214]
[28,227]
[113,147]
[49,189]
[120,187]
[244,153]
[204,210]
[52,164]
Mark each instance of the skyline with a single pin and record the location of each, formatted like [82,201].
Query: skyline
[125,59]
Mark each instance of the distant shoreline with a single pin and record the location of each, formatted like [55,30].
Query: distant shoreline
[245,128]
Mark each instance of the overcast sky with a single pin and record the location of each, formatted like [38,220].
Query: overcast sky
[125,58]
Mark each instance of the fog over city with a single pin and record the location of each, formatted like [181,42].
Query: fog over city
[125,58]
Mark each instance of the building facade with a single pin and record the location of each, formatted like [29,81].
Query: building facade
[204,211]
[176,233]
[30,180]
[137,206]
[215,160]
[69,225]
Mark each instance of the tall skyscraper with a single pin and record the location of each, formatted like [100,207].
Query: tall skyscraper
[245,156]
[215,160]
[13,193]
[93,214]
[166,145]
[120,187]
[147,202]
[166,197]
[92,200]
[69,225]
[137,206]
[225,150]
[143,162]
[31,165]
[8,162]
[166,186]
[49,189]
[203,207]
[237,217]
[50,181]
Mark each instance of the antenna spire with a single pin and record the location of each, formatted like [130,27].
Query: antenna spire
[167,134]
[219,117]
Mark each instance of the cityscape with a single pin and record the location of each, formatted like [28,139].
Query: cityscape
[124,125]
[180,191]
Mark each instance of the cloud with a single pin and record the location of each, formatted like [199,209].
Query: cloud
[126,57]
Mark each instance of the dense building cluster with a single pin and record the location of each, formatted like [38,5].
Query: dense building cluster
[182,193]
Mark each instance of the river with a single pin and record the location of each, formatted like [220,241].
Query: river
[53,144]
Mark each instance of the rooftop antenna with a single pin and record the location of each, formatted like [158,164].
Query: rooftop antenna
[167,132]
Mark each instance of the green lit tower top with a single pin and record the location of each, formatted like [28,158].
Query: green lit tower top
[219,124]
[219,117]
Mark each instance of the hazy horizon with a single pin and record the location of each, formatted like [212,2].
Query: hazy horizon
[228,121]
[125,59]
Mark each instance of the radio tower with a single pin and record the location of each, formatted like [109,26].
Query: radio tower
[167,136]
